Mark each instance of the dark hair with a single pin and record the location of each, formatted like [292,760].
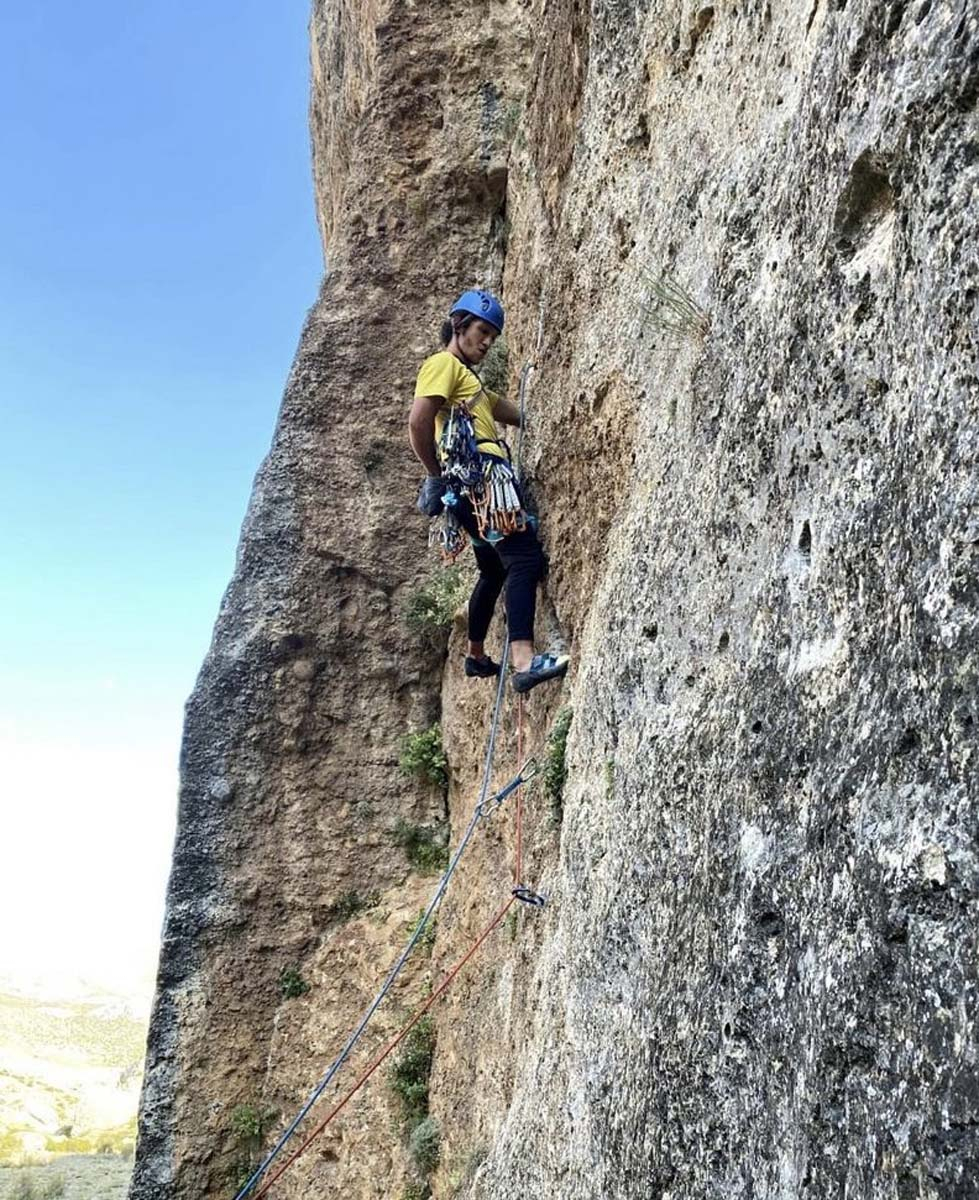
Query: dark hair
[455,324]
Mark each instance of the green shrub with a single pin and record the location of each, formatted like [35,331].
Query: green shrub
[409,1075]
[349,904]
[292,984]
[434,604]
[424,1145]
[416,1191]
[495,369]
[554,771]
[249,1124]
[422,755]
[52,1188]
[426,846]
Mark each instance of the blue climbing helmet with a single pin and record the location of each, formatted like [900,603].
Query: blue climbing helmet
[480,304]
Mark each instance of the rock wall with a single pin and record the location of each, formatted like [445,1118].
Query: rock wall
[756,975]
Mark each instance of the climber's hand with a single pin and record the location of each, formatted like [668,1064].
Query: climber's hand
[430,495]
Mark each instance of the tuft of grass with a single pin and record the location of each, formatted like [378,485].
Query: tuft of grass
[409,1076]
[425,1145]
[496,365]
[426,942]
[291,983]
[416,1191]
[670,308]
[422,755]
[510,120]
[433,605]
[465,1169]
[27,1187]
[349,904]
[609,780]
[554,771]
[426,846]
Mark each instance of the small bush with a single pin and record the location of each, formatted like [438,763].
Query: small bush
[52,1188]
[434,604]
[426,846]
[416,1191]
[424,1145]
[249,1124]
[422,755]
[292,984]
[349,904]
[495,369]
[554,770]
[409,1075]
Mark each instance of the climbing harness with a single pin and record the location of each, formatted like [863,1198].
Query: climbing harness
[489,482]
[485,806]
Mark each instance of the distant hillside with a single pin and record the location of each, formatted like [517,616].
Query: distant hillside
[70,1073]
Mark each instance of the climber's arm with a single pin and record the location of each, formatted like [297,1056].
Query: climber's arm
[421,431]
[506,411]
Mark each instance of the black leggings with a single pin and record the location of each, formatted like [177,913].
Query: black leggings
[516,562]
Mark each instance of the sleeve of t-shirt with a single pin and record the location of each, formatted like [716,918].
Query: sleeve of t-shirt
[436,377]
[494,399]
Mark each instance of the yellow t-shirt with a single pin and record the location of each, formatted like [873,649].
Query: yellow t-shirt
[445,376]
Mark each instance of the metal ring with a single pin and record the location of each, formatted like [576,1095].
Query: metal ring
[529,769]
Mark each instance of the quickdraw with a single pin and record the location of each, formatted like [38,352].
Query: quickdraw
[489,483]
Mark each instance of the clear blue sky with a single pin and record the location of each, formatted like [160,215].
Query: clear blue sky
[158,251]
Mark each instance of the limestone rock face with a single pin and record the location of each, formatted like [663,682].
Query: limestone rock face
[756,973]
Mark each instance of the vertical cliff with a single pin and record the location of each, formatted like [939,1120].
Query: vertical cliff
[756,975]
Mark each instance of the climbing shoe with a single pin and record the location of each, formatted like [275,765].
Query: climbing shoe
[542,668]
[481,668]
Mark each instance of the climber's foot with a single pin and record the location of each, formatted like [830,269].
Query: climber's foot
[481,668]
[542,667]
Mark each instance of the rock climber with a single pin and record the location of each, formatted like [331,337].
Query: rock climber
[470,480]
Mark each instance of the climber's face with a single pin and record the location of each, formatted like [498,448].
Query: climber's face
[476,339]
